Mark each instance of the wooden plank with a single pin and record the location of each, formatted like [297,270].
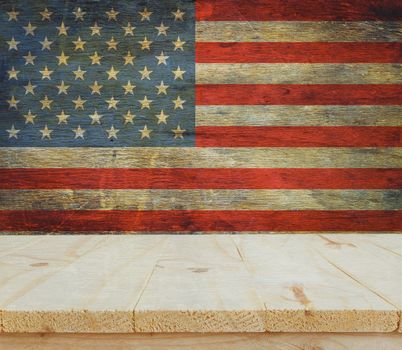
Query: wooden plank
[303,292]
[291,52]
[298,94]
[298,31]
[283,275]
[218,178]
[208,283]
[195,275]
[295,10]
[207,341]
[298,73]
[298,115]
[298,136]
[200,220]
[364,258]
[155,157]
[75,284]
[205,199]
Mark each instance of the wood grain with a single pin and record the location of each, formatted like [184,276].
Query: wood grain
[298,94]
[204,199]
[155,157]
[349,255]
[209,283]
[298,73]
[199,178]
[77,284]
[295,10]
[195,275]
[207,341]
[171,221]
[306,293]
[298,136]
[308,52]
[298,115]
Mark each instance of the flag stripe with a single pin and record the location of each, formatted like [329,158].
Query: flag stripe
[189,157]
[298,73]
[131,232]
[298,115]
[156,199]
[298,136]
[293,94]
[155,232]
[247,31]
[293,52]
[306,10]
[207,220]
[219,178]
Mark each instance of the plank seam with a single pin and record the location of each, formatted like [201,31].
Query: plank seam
[358,282]
[143,291]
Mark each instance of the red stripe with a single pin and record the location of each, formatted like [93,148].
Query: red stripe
[200,178]
[298,136]
[295,94]
[298,10]
[191,221]
[315,52]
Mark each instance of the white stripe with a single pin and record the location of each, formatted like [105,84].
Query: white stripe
[298,115]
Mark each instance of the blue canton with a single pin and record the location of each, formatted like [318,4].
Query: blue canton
[97,73]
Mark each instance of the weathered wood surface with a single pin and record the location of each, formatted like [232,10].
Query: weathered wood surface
[206,341]
[211,283]
[208,199]
[298,115]
[298,73]
[156,157]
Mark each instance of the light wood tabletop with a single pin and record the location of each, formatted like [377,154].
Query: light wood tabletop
[201,283]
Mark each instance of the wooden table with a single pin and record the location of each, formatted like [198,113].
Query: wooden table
[321,292]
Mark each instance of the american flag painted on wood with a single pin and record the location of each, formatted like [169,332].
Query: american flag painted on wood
[213,116]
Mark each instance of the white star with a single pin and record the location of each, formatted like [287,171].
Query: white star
[162,59]
[178,15]
[12,15]
[145,132]
[162,29]
[178,103]
[178,44]
[62,117]
[79,132]
[29,117]
[129,117]
[79,14]
[13,44]
[29,29]
[145,73]
[145,103]
[46,44]
[145,14]
[128,29]
[162,117]
[12,133]
[178,73]
[112,132]
[178,132]
[95,117]
[13,102]
[46,133]
[29,59]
